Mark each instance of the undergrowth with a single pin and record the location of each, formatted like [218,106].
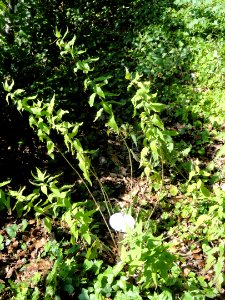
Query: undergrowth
[126,102]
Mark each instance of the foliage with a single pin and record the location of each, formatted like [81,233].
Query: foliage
[147,76]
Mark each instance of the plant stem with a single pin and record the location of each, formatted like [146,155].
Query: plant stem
[90,193]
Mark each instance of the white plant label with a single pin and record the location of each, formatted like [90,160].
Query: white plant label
[121,222]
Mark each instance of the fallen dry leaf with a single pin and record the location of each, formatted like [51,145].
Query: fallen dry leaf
[9,271]
[186,271]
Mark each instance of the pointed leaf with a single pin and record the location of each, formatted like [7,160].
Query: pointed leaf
[112,124]
[47,223]
[92,99]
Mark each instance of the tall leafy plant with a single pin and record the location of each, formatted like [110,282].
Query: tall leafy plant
[157,141]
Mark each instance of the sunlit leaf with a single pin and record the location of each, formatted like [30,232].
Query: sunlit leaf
[98,114]
[24,224]
[92,99]
[48,224]
[5,183]
[12,230]
[112,124]
[221,152]
[202,219]
[173,190]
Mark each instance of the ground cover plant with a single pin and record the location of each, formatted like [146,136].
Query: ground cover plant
[112,108]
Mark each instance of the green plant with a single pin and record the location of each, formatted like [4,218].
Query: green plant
[157,141]
[4,199]
[169,120]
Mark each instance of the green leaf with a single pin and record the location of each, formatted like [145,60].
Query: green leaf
[24,224]
[191,175]
[85,168]
[1,242]
[57,33]
[157,122]
[98,115]
[12,230]
[112,124]
[55,191]
[99,91]
[78,145]
[47,224]
[5,183]
[68,288]
[107,107]
[134,138]
[51,105]
[202,219]
[82,65]
[44,189]
[158,107]
[40,175]
[210,262]
[155,278]
[1,238]
[173,190]
[87,238]
[36,111]
[2,286]
[128,74]
[153,146]
[187,296]
[39,210]
[92,99]
[84,295]
[218,267]
[205,191]
[8,87]
[221,152]
[186,151]
[50,147]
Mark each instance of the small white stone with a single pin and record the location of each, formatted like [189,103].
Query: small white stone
[121,222]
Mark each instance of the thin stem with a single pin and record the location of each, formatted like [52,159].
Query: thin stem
[90,193]
[120,239]
[130,161]
[106,198]
[160,190]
